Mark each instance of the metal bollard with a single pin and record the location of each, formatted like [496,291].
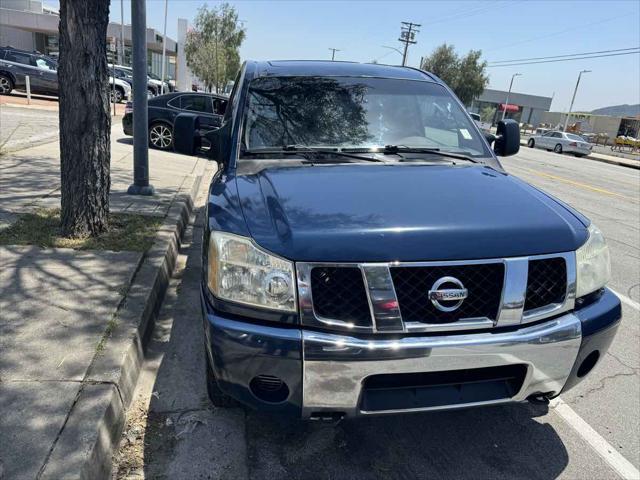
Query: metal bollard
[28,84]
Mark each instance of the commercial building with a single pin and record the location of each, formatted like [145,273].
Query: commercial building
[523,108]
[31,25]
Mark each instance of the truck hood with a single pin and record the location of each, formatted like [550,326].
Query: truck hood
[376,213]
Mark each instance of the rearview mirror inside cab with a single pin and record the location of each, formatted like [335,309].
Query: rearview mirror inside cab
[507,140]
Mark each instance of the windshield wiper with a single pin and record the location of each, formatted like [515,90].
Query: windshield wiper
[400,149]
[307,152]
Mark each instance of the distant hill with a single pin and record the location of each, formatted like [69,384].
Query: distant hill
[618,110]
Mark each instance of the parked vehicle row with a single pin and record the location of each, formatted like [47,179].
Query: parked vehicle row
[163,110]
[561,142]
[154,85]
[16,64]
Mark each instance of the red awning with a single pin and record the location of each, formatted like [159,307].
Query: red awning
[509,107]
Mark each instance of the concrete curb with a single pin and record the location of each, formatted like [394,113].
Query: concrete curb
[92,431]
[623,162]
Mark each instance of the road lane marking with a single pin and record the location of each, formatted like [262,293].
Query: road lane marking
[578,184]
[614,459]
[627,300]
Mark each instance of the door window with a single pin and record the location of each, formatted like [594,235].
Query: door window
[196,103]
[17,57]
[45,64]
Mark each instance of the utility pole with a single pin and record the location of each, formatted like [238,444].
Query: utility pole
[140,185]
[575,90]
[333,53]
[121,59]
[506,103]
[164,48]
[408,32]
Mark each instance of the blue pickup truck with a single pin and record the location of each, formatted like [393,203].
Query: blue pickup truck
[366,253]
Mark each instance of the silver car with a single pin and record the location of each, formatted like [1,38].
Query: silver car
[561,142]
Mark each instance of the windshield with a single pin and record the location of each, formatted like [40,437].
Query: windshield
[356,113]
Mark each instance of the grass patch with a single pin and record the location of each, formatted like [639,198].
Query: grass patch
[126,232]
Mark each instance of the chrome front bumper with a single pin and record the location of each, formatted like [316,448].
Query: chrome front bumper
[329,375]
[334,367]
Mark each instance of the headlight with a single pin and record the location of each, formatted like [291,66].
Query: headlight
[243,273]
[592,263]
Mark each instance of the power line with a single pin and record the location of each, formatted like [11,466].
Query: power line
[560,32]
[461,14]
[563,56]
[563,59]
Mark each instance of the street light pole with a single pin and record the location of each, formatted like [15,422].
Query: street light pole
[333,53]
[140,185]
[121,59]
[575,90]
[504,110]
[164,48]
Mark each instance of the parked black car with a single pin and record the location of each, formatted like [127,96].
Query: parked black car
[163,110]
[15,64]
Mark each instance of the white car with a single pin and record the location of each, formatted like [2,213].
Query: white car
[119,90]
[561,142]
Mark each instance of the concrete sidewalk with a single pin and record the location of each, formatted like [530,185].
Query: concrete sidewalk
[69,318]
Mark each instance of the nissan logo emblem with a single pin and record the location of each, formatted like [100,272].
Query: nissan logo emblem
[439,295]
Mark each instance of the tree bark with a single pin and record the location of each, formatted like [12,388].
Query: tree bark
[85,121]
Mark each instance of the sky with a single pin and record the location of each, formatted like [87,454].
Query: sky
[502,29]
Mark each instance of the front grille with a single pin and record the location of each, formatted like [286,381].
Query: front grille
[483,281]
[339,294]
[546,282]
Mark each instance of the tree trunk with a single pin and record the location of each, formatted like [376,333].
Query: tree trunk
[85,121]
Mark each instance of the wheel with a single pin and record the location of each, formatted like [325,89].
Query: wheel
[218,397]
[557,148]
[531,143]
[6,85]
[116,95]
[161,136]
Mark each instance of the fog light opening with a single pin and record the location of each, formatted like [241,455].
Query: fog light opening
[269,388]
[588,363]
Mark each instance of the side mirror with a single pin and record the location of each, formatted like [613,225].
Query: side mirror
[507,141]
[219,140]
[489,137]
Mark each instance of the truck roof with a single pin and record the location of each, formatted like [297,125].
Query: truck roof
[339,69]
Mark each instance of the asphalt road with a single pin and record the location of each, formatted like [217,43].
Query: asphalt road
[174,433]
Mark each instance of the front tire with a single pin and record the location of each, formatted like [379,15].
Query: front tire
[6,85]
[557,148]
[161,136]
[531,143]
